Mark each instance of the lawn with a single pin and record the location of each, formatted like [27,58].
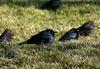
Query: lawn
[25,19]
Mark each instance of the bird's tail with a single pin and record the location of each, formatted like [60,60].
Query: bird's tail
[21,43]
[61,39]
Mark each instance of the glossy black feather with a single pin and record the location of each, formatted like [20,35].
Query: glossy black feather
[87,28]
[7,35]
[44,37]
[71,34]
[52,4]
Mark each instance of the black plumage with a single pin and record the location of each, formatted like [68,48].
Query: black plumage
[87,28]
[7,35]
[52,4]
[44,37]
[71,34]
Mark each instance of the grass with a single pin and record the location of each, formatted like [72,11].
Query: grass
[28,20]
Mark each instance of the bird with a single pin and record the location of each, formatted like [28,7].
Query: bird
[87,28]
[6,36]
[44,37]
[52,5]
[70,35]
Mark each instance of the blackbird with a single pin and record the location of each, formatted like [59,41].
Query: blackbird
[87,28]
[52,5]
[7,35]
[71,34]
[44,37]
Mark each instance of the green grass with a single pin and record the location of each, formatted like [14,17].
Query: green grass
[28,20]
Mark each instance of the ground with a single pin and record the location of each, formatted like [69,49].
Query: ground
[26,19]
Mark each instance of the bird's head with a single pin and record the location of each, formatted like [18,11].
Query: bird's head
[7,31]
[74,29]
[88,24]
[50,31]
